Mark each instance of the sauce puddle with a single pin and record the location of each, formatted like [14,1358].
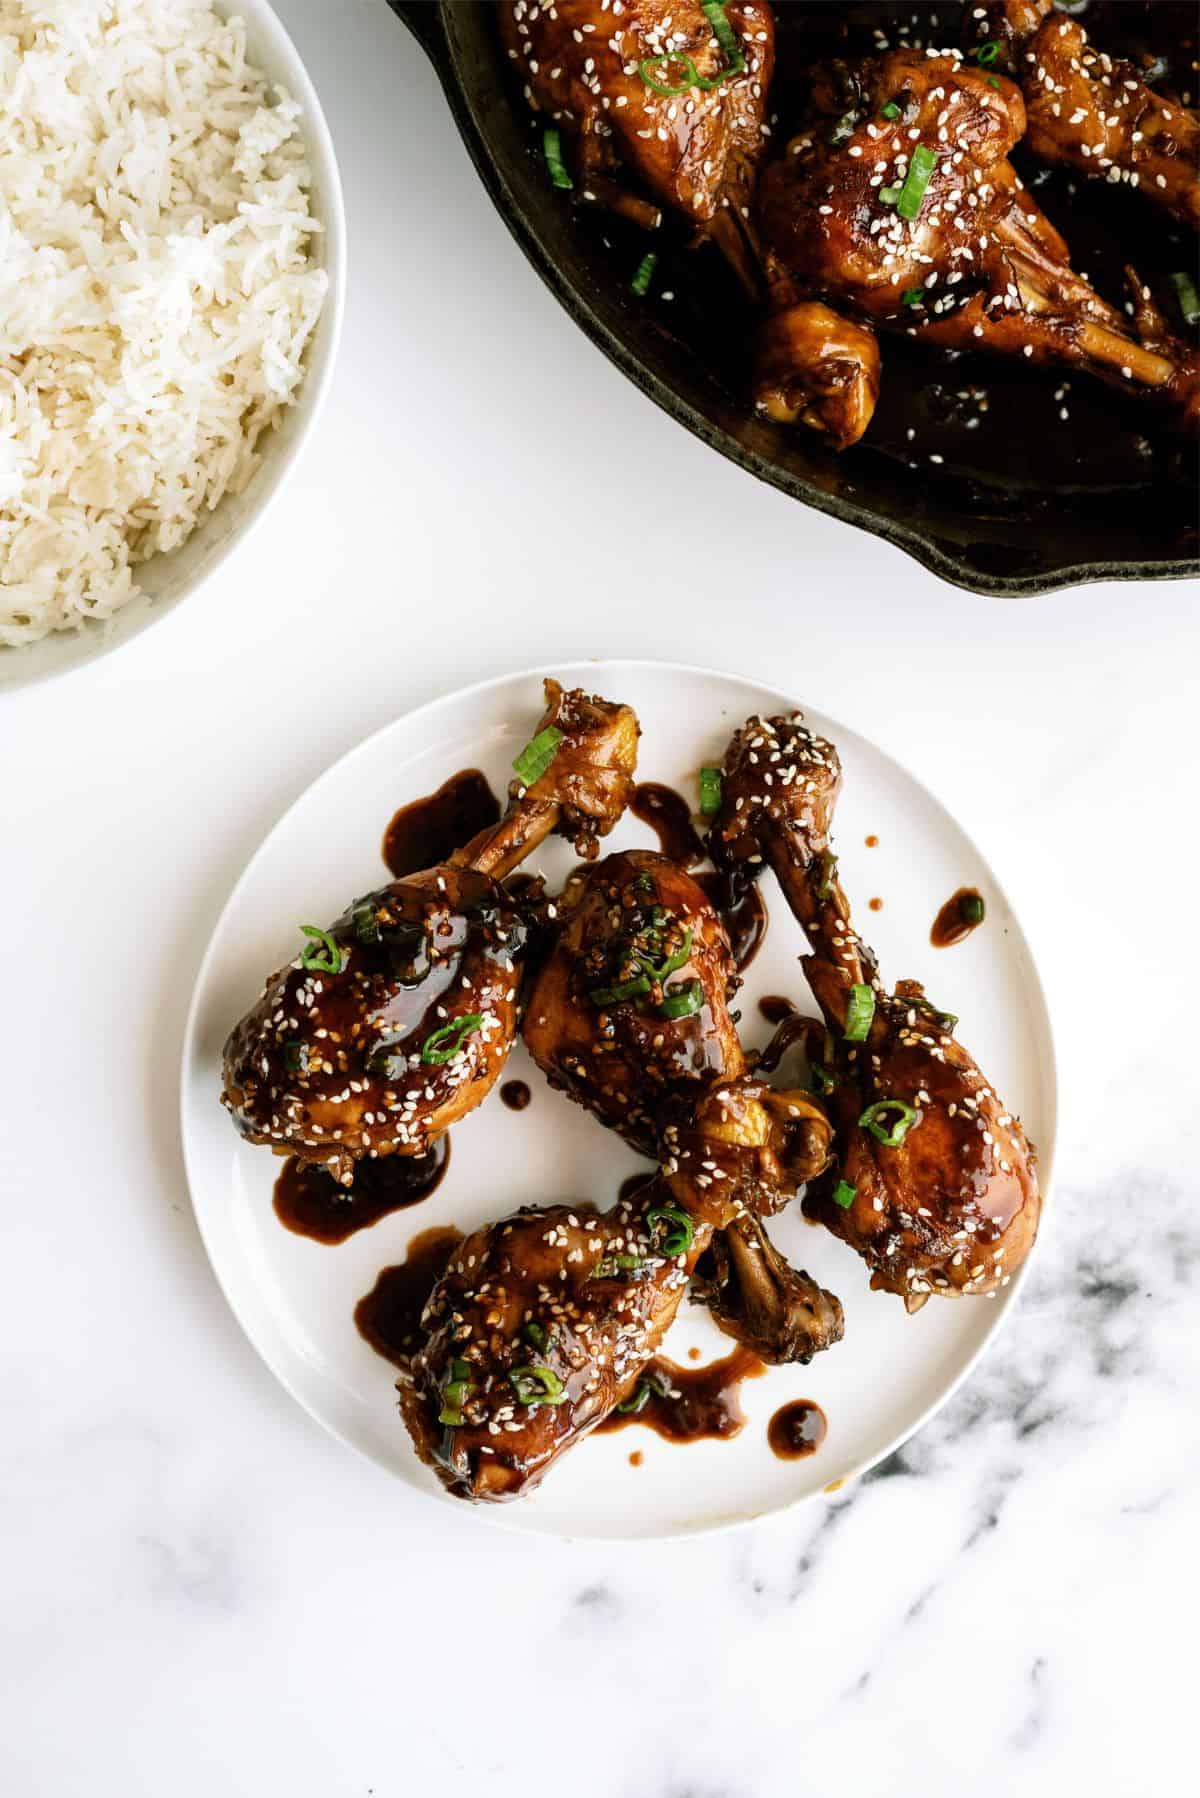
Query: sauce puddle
[389,1317]
[962,913]
[670,818]
[429,830]
[690,1404]
[309,1201]
[515,1094]
[797,1430]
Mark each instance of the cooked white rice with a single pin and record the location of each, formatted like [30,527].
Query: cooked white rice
[156,290]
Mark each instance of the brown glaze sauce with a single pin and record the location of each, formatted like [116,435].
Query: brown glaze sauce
[700,1403]
[951,925]
[389,1317]
[797,1430]
[636,1458]
[875,904]
[871,842]
[743,914]
[670,818]
[429,830]
[310,1202]
[632,1184]
[515,1094]
[790,1028]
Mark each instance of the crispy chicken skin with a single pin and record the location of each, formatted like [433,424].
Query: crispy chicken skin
[1092,111]
[978,266]
[694,152]
[333,1065]
[953,1207]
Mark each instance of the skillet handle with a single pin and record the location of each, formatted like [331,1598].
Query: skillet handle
[424,19]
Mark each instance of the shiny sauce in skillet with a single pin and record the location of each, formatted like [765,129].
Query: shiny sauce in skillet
[515,1094]
[797,1430]
[689,1404]
[986,430]
[309,1202]
[389,1317]
[962,913]
[429,830]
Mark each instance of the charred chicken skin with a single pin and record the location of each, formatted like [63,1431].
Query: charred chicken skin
[897,203]
[397,1020]
[1092,111]
[545,1321]
[648,93]
[935,1186]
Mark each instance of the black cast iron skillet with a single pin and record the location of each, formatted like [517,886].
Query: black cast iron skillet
[1022,501]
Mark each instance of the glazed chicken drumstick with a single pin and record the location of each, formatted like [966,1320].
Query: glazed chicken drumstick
[897,203]
[1092,111]
[544,1321]
[629,1016]
[649,92]
[396,1021]
[936,1186]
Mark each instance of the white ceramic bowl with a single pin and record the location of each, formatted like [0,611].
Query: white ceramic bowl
[167,579]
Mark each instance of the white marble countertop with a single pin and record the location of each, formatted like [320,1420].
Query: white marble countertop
[203,1593]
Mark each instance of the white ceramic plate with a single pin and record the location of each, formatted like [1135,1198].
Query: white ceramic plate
[296,1298]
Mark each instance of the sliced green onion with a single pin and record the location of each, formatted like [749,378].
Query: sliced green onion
[295,1058]
[682,1001]
[710,791]
[537,755]
[637,1401]
[645,269]
[534,1335]
[971,908]
[904,1115]
[920,168]
[945,1019]
[611,1267]
[627,989]
[891,110]
[889,195]
[1189,299]
[445,1043]
[844,129]
[913,296]
[680,1232]
[692,77]
[844,1194]
[675,961]
[987,53]
[828,873]
[992,82]
[322,955]
[824,1079]
[859,1012]
[454,1394]
[552,151]
[536,1386]
[714,12]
